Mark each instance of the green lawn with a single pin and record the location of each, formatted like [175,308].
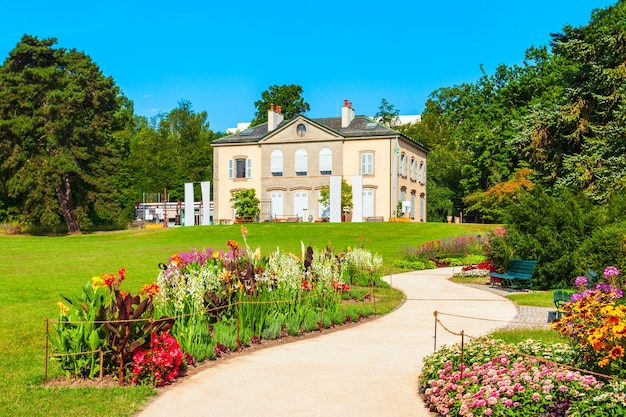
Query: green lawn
[35,270]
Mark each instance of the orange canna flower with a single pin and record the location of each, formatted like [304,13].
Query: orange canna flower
[176,260]
[108,279]
[151,289]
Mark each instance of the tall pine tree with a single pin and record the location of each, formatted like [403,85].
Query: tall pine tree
[57,156]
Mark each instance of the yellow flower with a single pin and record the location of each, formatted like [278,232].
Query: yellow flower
[226,275]
[97,282]
[603,362]
[64,309]
[257,254]
[217,255]
[619,329]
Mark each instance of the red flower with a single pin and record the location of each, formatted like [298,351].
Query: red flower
[160,362]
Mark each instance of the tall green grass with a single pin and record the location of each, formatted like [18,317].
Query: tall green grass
[34,270]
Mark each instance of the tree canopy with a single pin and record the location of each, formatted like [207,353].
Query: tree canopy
[561,113]
[288,97]
[57,153]
[171,149]
[387,114]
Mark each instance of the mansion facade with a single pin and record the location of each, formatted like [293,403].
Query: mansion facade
[287,162]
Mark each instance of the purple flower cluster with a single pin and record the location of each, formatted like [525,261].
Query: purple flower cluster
[195,256]
[581,282]
[457,246]
[602,291]
[610,271]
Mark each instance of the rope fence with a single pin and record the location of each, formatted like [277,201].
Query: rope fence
[463,335]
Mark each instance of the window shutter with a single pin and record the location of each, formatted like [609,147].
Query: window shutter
[230,168]
[249,168]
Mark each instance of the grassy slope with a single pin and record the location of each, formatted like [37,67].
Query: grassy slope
[35,270]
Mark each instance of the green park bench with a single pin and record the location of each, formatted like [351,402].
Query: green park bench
[519,272]
[561,297]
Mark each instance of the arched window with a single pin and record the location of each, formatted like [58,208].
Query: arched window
[301,162]
[422,173]
[276,163]
[326,161]
[405,172]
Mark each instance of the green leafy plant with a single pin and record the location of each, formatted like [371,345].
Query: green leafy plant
[246,203]
[80,329]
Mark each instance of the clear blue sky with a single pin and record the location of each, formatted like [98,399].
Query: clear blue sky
[221,55]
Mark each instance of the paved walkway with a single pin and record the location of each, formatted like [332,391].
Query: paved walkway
[366,370]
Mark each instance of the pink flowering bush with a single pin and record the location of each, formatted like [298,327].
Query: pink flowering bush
[491,382]
[160,363]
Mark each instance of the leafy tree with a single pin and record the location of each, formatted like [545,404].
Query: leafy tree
[246,203]
[579,141]
[387,114]
[431,131]
[346,195]
[288,97]
[473,125]
[172,149]
[57,154]
[492,202]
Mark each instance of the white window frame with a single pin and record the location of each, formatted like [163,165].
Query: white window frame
[301,162]
[367,163]
[276,163]
[326,161]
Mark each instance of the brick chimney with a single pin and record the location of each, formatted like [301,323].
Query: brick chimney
[274,117]
[347,114]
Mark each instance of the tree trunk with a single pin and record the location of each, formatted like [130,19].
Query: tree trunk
[64,193]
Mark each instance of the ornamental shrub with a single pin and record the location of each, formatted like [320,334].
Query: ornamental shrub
[606,246]
[549,228]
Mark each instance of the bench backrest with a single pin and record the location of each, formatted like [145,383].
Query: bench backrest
[561,295]
[522,267]
[591,277]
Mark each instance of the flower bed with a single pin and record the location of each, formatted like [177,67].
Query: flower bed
[458,251]
[205,304]
[499,380]
[489,377]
